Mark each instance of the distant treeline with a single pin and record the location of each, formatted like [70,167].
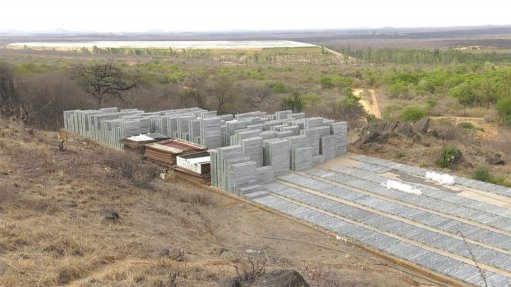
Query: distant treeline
[422,56]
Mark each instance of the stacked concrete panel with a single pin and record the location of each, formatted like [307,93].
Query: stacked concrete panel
[253,148]
[301,159]
[340,131]
[312,136]
[220,156]
[283,115]
[211,132]
[240,175]
[318,159]
[313,122]
[327,146]
[195,135]
[276,154]
[110,125]
[273,143]
[240,135]
[264,174]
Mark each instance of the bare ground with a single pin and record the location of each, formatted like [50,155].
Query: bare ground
[52,231]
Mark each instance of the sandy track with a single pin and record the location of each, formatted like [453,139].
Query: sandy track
[369,103]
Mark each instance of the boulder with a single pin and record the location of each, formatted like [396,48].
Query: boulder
[389,127]
[371,137]
[496,160]
[421,126]
[404,129]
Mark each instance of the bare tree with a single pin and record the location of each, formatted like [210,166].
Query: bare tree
[258,96]
[194,87]
[103,80]
[10,100]
[223,90]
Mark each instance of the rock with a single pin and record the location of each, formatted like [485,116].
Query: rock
[110,214]
[389,127]
[421,126]
[173,253]
[230,282]
[281,278]
[496,160]
[371,137]
[404,129]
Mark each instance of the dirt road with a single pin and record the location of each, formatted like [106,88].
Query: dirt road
[369,102]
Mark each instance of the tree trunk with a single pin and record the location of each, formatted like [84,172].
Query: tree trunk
[100,102]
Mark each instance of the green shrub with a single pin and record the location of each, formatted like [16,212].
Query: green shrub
[412,114]
[469,126]
[449,157]
[432,103]
[326,82]
[503,107]
[277,87]
[483,174]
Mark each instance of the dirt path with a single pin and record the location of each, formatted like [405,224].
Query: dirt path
[368,102]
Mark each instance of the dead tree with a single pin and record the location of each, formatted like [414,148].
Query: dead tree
[105,80]
[194,87]
[258,96]
[224,92]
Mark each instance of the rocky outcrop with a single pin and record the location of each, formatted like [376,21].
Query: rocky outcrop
[381,131]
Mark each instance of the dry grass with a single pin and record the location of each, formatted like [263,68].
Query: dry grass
[52,231]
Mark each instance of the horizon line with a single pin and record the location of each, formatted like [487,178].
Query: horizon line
[155,31]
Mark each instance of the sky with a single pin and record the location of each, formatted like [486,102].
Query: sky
[229,15]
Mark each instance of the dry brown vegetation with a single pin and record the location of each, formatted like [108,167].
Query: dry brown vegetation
[53,229]
[477,145]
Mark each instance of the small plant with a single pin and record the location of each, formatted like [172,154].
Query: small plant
[466,125]
[449,157]
[249,273]
[483,174]
[503,107]
[469,126]
[412,114]
[294,102]
[432,103]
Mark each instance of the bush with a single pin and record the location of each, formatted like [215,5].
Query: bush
[503,107]
[449,157]
[412,114]
[469,126]
[326,82]
[483,174]
[277,87]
